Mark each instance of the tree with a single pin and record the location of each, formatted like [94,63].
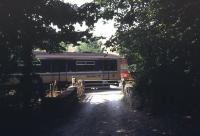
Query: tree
[91,46]
[27,25]
[165,37]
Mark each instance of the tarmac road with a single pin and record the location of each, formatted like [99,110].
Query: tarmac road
[103,113]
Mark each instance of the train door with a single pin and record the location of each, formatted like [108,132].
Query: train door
[105,75]
[110,69]
[71,69]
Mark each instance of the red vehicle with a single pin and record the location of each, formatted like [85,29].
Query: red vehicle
[124,69]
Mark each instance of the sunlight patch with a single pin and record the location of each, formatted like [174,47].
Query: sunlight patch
[121,131]
[102,97]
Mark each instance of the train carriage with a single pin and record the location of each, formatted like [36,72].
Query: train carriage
[96,69]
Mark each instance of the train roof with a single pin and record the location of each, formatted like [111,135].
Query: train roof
[75,55]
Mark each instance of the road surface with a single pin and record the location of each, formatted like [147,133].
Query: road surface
[103,113]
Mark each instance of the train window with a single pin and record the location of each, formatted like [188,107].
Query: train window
[110,65]
[58,66]
[85,65]
[45,66]
[85,62]
[51,66]
[37,65]
[71,67]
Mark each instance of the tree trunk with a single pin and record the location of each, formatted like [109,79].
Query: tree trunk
[26,81]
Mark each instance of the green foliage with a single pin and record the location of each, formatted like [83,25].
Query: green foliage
[64,45]
[28,24]
[91,46]
[162,38]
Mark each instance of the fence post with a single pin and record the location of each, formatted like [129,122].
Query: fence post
[73,81]
[80,87]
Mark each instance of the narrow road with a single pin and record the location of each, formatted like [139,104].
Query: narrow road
[103,113]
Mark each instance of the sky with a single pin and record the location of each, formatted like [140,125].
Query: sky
[101,29]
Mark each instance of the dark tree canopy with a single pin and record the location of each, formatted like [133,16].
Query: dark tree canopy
[163,39]
[27,25]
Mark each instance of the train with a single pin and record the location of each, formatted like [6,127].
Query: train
[95,69]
